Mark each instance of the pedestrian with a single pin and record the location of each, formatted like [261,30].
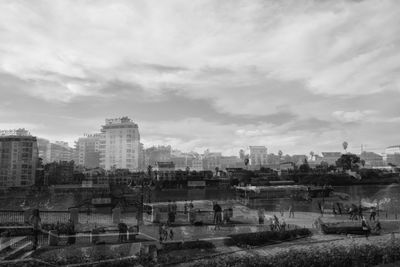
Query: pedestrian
[174,211]
[277,224]
[123,231]
[291,211]
[71,233]
[185,207]
[365,227]
[372,215]
[378,226]
[339,208]
[272,224]
[283,224]
[217,215]
[160,232]
[170,213]
[165,232]
[281,209]
[261,216]
[171,234]
[36,223]
[191,206]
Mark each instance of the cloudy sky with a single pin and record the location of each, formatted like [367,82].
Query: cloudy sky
[290,75]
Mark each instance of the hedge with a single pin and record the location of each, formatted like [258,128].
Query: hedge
[331,256]
[262,238]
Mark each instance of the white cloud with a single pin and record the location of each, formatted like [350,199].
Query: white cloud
[252,58]
[353,116]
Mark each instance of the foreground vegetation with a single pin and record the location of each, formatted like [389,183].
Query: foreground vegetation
[333,256]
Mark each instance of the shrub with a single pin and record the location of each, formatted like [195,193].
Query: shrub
[333,256]
[261,238]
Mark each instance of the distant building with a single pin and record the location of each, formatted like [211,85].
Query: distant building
[120,144]
[331,157]
[197,164]
[372,159]
[154,154]
[59,151]
[258,155]
[142,158]
[18,158]
[298,159]
[211,160]
[392,155]
[43,147]
[87,151]
[231,162]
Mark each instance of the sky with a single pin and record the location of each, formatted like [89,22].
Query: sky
[296,76]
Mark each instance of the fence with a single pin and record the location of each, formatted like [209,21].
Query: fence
[19,217]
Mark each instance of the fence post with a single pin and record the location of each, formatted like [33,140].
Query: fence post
[53,238]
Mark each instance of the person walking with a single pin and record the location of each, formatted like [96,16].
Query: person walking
[372,215]
[261,216]
[217,215]
[185,207]
[160,232]
[36,223]
[365,227]
[171,234]
[170,213]
[291,211]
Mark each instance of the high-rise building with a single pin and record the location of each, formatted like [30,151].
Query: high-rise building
[59,151]
[120,144]
[43,147]
[87,151]
[258,155]
[18,158]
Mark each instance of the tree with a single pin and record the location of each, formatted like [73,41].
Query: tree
[362,162]
[305,167]
[216,171]
[280,153]
[149,170]
[348,161]
[345,144]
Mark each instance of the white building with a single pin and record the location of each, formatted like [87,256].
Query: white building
[197,164]
[120,144]
[258,155]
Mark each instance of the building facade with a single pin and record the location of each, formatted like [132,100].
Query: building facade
[120,144]
[258,155]
[331,157]
[18,158]
[392,155]
[87,151]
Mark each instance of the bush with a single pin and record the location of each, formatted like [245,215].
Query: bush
[198,244]
[333,256]
[262,238]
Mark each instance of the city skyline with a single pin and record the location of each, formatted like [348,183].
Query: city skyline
[206,74]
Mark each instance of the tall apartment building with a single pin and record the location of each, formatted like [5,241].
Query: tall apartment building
[51,152]
[120,144]
[258,155]
[18,158]
[87,151]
